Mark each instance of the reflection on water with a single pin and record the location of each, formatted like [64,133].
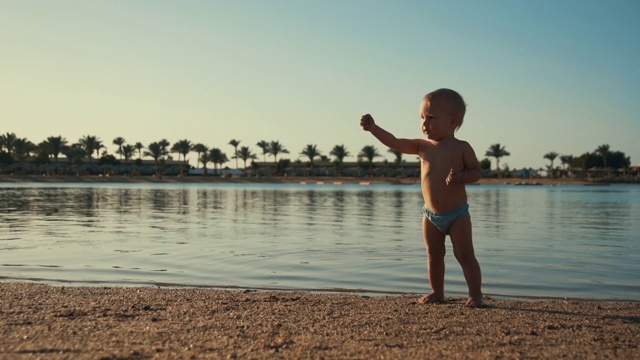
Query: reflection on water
[563,241]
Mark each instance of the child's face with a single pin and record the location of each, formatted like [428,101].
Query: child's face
[438,120]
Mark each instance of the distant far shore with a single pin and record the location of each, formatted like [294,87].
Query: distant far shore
[318,180]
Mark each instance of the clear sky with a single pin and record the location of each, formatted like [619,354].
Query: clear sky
[538,76]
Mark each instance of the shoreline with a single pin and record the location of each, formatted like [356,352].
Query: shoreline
[286,180]
[58,322]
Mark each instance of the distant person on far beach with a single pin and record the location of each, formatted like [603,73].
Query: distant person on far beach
[446,165]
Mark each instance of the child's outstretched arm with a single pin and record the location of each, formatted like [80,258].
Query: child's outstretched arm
[406,146]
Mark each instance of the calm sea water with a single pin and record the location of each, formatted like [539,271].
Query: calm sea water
[537,241]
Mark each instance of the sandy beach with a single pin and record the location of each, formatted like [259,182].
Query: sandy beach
[54,322]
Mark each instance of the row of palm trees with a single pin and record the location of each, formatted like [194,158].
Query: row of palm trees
[89,148]
[569,161]
[602,150]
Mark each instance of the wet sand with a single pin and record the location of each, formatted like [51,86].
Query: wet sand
[53,322]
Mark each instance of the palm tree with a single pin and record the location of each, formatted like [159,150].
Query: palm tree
[603,150]
[138,146]
[235,144]
[164,145]
[340,152]
[22,148]
[90,144]
[265,149]
[551,156]
[41,152]
[397,154]
[217,157]
[204,158]
[156,152]
[398,160]
[127,151]
[311,151]
[245,154]
[54,146]
[497,152]
[369,152]
[7,141]
[182,147]
[566,160]
[74,153]
[276,148]
[119,141]
[201,149]
[99,145]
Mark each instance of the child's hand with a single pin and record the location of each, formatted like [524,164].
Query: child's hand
[367,123]
[453,178]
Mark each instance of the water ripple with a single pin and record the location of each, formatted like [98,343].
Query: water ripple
[563,241]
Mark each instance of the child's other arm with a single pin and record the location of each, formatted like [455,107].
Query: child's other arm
[471,172]
[406,146]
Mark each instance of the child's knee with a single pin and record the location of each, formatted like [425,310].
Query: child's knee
[436,252]
[465,257]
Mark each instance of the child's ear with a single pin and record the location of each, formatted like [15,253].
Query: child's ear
[455,120]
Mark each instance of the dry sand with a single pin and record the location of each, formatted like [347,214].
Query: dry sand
[51,322]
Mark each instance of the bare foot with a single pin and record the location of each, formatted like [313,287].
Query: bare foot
[432,298]
[475,301]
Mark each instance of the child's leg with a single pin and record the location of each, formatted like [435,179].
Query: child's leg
[460,233]
[434,242]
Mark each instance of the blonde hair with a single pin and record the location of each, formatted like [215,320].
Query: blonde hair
[455,101]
